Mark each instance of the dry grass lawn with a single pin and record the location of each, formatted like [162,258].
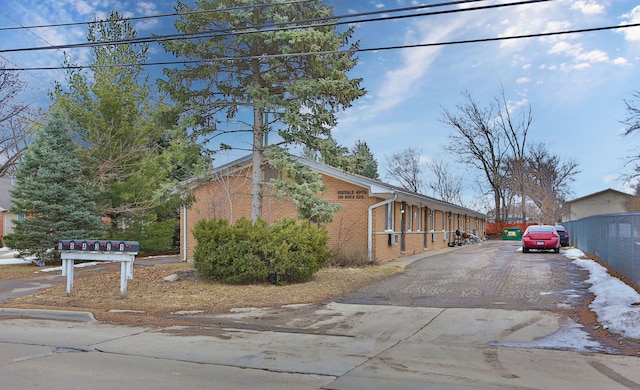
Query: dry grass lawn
[97,289]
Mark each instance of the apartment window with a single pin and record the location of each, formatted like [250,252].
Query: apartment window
[388,224]
[409,214]
[416,217]
[432,220]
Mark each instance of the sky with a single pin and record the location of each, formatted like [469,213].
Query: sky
[615,304]
[575,84]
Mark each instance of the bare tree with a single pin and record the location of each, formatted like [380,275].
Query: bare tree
[633,114]
[478,141]
[492,139]
[549,180]
[445,184]
[405,167]
[515,130]
[15,121]
[632,121]
[633,203]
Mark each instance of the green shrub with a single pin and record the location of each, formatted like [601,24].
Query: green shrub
[288,251]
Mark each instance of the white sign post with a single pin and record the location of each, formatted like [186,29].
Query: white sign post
[124,258]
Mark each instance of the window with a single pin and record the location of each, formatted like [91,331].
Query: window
[388,224]
[416,217]
[432,220]
[409,214]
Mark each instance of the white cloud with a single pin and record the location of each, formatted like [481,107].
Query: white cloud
[523,80]
[593,56]
[556,25]
[566,48]
[399,84]
[529,19]
[581,66]
[587,7]
[633,33]
[82,7]
[146,8]
[621,61]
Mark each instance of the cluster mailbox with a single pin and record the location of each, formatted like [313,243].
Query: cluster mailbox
[98,245]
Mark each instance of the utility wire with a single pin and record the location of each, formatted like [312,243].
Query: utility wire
[252,29]
[195,12]
[397,47]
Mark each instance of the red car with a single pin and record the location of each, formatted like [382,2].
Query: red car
[540,237]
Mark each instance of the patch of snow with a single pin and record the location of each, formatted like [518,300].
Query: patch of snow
[570,337]
[79,265]
[615,301]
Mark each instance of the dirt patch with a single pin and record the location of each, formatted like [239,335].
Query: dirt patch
[150,299]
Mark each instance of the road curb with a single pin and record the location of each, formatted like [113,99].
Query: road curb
[59,315]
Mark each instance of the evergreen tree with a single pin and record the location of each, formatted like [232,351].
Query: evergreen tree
[251,76]
[365,163]
[301,187]
[51,195]
[133,150]
[130,145]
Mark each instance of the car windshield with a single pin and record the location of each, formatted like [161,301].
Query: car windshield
[547,229]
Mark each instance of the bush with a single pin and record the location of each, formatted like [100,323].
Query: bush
[287,251]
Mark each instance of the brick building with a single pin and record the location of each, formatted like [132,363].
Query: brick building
[376,220]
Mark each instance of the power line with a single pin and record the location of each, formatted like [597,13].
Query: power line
[281,26]
[69,24]
[397,47]
[195,12]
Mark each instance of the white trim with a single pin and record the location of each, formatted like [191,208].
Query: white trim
[370,223]
[184,233]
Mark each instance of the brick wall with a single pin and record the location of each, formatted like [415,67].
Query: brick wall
[230,197]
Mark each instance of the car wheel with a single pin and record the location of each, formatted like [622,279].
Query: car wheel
[557,250]
[525,250]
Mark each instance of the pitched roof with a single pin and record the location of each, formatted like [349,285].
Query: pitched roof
[611,190]
[376,187]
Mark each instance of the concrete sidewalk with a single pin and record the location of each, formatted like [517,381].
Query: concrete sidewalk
[343,347]
[334,346]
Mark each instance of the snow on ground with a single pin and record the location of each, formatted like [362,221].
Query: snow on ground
[8,257]
[570,337]
[615,302]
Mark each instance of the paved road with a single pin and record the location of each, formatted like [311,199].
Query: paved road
[457,320]
[494,275]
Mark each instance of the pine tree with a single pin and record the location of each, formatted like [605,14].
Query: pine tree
[366,164]
[252,78]
[51,196]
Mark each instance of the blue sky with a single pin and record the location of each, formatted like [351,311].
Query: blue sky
[575,84]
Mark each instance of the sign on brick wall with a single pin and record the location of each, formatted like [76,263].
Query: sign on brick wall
[351,194]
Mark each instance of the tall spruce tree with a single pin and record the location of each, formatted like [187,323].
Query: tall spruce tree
[51,195]
[249,76]
[365,163]
[116,113]
[133,150]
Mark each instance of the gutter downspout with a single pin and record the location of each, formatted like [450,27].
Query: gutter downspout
[370,223]
[184,233]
